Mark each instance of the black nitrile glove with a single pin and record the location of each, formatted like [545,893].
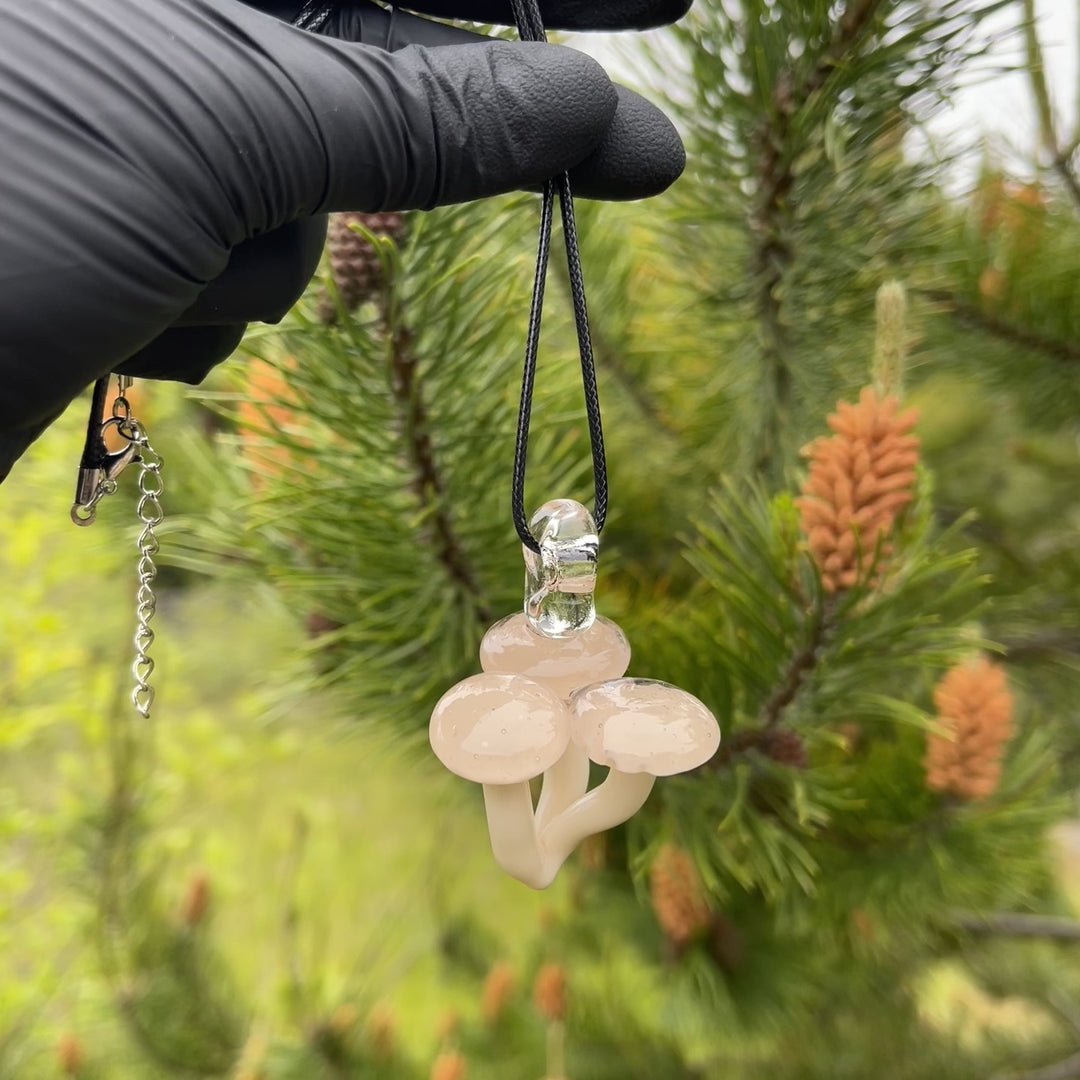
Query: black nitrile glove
[163,163]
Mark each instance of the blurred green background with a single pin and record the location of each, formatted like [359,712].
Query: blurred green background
[274,879]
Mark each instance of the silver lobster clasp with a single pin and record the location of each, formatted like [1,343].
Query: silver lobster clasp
[100,466]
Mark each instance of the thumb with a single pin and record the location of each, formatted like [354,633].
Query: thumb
[426,127]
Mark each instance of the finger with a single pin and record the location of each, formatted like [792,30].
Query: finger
[428,127]
[184,353]
[264,277]
[641,153]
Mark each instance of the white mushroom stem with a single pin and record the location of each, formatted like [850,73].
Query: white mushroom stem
[616,800]
[564,783]
[512,829]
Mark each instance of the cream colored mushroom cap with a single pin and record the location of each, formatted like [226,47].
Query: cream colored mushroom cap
[643,725]
[499,729]
[564,665]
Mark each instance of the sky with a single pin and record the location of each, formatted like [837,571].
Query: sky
[995,104]
[999,105]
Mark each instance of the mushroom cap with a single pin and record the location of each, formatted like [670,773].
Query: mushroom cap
[643,725]
[499,729]
[565,664]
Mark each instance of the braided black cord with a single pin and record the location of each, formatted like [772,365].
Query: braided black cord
[528,376]
[313,15]
[531,28]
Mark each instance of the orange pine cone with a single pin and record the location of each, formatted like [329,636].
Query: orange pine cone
[498,988]
[69,1054]
[860,478]
[974,703]
[447,1026]
[678,896]
[450,1066]
[382,1030]
[343,1019]
[549,992]
[196,899]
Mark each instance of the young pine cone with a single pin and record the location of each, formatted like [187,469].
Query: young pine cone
[449,1066]
[354,261]
[860,478]
[499,988]
[727,946]
[974,703]
[785,747]
[69,1054]
[196,899]
[678,896]
[549,992]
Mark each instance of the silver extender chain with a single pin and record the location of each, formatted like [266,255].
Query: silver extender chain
[150,515]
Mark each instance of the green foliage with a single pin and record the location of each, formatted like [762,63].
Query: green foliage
[802,199]
[390,410]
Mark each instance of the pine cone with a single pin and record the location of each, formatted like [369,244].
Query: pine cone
[785,747]
[890,344]
[449,1066]
[69,1054]
[974,703]
[251,1064]
[860,478]
[318,624]
[196,899]
[354,261]
[678,896]
[498,988]
[726,944]
[343,1019]
[549,992]
[382,1031]
[448,1025]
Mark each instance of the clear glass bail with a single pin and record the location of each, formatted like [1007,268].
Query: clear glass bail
[561,579]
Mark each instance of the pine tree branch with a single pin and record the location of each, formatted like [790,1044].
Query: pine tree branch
[802,662]
[1011,924]
[1036,70]
[1065,1008]
[1040,644]
[1062,163]
[1060,157]
[772,218]
[847,33]
[970,315]
[427,482]
[771,259]
[1067,1069]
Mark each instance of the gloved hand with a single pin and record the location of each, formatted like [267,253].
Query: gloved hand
[159,160]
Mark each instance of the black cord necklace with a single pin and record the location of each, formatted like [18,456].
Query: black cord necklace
[531,28]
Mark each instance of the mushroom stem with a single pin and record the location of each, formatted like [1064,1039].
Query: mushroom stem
[564,783]
[616,800]
[512,829]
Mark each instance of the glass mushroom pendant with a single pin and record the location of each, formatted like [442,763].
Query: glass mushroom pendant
[552,698]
